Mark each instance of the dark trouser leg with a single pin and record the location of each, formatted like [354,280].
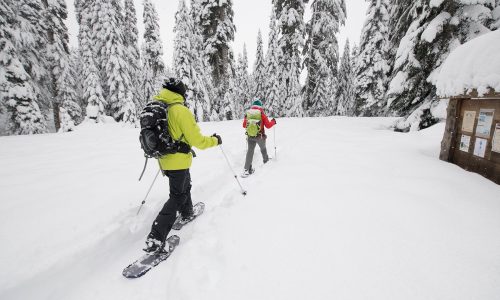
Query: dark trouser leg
[180,200]
[251,148]
[262,145]
[186,210]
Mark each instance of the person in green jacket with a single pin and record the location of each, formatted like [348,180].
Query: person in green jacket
[182,127]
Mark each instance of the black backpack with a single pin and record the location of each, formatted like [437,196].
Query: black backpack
[154,137]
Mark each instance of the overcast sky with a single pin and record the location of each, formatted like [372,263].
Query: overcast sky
[249,17]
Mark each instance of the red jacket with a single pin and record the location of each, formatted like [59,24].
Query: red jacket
[265,121]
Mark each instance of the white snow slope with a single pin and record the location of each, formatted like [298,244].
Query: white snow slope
[349,210]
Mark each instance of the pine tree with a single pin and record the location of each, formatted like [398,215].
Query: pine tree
[274,94]
[435,29]
[231,97]
[345,88]
[291,22]
[152,52]
[131,34]
[322,56]
[242,85]
[495,22]
[188,63]
[217,29]
[116,73]
[93,98]
[259,70]
[70,112]
[32,42]
[184,56]
[76,71]
[92,90]
[96,23]
[204,89]
[373,65]
[62,82]
[16,90]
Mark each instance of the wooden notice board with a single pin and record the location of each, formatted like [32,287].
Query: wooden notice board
[476,125]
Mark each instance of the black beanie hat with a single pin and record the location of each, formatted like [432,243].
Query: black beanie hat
[175,85]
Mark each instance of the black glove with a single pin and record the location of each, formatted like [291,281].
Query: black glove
[274,120]
[219,139]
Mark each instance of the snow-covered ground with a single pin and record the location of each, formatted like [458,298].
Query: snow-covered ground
[349,210]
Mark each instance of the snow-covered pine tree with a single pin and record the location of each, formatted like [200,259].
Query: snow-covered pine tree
[436,28]
[32,43]
[273,100]
[183,54]
[76,70]
[92,90]
[185,58]
[345,86]
[70,112]
[95,20]
[231,97]
[93,98]
[116,72]
[373,65]
[259,70]
[495,23]
[291,22]
[203,86]
[16,91]
[217,28]
[152,52]
[61,80]
[132,43]
[242,84]
[322,56]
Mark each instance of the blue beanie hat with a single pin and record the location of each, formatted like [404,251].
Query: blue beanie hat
[257,103]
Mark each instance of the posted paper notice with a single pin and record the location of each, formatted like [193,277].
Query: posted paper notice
[465,143]
[480,147]
[484,122]
[468,122]
[496,139]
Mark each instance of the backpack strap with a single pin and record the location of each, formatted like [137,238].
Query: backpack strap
[182,147]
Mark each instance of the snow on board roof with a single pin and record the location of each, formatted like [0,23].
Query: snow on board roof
[473,65]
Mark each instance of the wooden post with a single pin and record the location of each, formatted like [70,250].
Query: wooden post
[450,132]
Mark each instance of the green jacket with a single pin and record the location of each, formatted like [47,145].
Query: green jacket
[182,127]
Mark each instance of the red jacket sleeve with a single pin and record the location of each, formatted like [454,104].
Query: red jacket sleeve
[266,121]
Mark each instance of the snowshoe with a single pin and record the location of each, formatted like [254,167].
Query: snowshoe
[247,173]
[198,209]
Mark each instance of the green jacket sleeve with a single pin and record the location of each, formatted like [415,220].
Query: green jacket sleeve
[192,133]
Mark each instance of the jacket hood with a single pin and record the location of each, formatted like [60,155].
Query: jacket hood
[169,97]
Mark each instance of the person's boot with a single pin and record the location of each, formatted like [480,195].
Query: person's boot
[248,172]
[153,245]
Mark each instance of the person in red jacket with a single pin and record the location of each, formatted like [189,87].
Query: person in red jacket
[254,123]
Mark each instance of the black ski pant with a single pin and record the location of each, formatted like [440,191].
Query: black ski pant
[179,201]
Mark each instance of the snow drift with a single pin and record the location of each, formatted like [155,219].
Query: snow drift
[473,65]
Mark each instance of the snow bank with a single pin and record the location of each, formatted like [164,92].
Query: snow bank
[473,65]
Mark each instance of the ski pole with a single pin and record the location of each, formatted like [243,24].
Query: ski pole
[234,173]
[144,201]
[274,134]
